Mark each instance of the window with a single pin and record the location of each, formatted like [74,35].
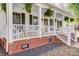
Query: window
[18,18]
[33,20]
[23,18]
[59,24]
[46,22]
[30,17]
[51,22]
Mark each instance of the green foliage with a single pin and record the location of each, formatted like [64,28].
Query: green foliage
[76,21]
[48,13]
[3,6]
[72,19]
[74,7]
[28,7]
[66,18]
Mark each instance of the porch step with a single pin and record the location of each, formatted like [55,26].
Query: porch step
[63,38]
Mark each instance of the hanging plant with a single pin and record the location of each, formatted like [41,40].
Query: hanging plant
[66,18]
[28,7]
[72,19]
[3,6]
[48,13]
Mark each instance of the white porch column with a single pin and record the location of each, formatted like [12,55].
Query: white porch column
[9,22]
[49,26]
[63,21]
[69,34]
[39,17]
[54,23]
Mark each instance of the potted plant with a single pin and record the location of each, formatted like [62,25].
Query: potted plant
[66,19]
[48,13]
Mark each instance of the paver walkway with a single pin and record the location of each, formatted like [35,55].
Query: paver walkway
[2,51]
[62,51]
[51,49]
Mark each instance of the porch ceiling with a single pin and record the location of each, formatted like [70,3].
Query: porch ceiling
[55,8]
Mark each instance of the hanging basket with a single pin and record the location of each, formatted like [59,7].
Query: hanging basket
[3,7]
[66,18]
[48,13]
[72,19]
[28,7]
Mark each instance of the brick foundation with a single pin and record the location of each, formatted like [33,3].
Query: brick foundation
[3,42]
[0,41]
[15,47]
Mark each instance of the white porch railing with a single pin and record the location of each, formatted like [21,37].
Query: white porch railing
[25,31]
[46,30]
[21,31]
[68,32]
[62,30]
[3,31]
[51,30]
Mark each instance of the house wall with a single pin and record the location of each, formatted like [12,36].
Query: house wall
[2,19]
[15,47]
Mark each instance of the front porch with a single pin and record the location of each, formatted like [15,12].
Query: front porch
[24,31]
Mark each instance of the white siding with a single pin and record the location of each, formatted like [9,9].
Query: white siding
[2,19]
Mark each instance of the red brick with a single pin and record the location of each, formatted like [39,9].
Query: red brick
[3,42]
[15,47]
